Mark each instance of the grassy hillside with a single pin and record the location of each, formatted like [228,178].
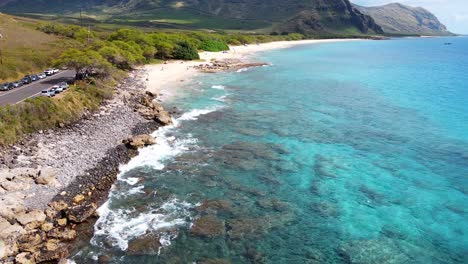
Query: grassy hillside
[260,16]
[25,49]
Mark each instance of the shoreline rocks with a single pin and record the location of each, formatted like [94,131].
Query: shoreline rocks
[227,65]
[55,180]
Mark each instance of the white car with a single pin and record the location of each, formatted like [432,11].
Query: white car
[57,89]
[48,93]
[63,85]
[49,72]
[41,75]
[55,70]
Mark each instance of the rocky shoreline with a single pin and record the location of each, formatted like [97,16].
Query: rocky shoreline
[55,180]
[52,182]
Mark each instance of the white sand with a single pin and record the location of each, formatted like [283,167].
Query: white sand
[165,78]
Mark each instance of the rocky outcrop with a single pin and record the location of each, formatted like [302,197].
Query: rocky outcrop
[227,65]
[139,141]
[405,20]
[151,110]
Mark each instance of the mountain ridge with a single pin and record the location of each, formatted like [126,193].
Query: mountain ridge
[280,16]
[397,18]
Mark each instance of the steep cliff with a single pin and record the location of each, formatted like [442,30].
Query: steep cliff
[401,19]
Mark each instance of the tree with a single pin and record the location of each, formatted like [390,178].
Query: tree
[185,51]
[85,61]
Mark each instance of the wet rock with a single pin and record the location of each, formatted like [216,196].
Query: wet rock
[31,242]
[208,226]
[104,259]
[139,141]
[62,233]
[382,251]
[163,117]
[80,213]
[214,206]
[51,251]
[147,244]
[32,219]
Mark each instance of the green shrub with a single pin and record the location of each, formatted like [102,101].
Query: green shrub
[185,51]
[213,45]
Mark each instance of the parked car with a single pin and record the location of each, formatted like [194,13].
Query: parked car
[63,85]
[5,87]
[42,75]
[48,93]
[57,88]
[17,84]
[55,70]
[26,79]
[49,72]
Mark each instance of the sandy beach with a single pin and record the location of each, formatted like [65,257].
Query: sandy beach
[164,78]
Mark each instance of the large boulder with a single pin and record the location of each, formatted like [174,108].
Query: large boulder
[163,117]
[139,141]
[32,219]
[80,213]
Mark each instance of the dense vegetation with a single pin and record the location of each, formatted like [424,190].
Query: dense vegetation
[125,48]
[105,56]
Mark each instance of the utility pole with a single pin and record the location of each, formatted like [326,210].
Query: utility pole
[1,54]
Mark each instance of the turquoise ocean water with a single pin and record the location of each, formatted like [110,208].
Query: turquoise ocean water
[351,152]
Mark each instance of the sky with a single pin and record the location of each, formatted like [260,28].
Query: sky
[452,13]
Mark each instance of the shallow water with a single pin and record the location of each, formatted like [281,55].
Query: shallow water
[337,153]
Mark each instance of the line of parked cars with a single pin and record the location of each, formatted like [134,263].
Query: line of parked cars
[28,79]
[56,89]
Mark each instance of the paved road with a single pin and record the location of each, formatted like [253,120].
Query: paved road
[20,94]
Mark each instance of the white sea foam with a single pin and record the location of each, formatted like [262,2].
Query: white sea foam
[136,190]
[218,87]
[131,180]
[119,225]
[243,70]
[220,99]
[194,114]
